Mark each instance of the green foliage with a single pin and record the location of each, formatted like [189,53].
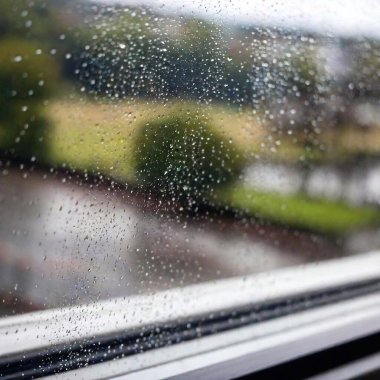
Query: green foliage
[26,75]
[181,155]
[133,54]
[26,137]
[298,211]
[27,78]
[32,20]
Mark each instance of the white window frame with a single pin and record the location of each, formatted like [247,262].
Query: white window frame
[226,354]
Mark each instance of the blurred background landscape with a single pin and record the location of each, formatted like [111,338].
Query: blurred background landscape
[142,149]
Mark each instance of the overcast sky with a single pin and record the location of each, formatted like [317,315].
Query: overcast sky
[347,17]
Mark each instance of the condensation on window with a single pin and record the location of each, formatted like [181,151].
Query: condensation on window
[154,145]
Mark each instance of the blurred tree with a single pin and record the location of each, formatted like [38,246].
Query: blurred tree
[307,93]
[198,61]
[27,78]
[119,55]
[33,41]
[362,79]
[125,51]
[182,156]
[292,89]
[31,20]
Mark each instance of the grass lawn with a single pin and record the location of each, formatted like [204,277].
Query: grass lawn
[298,211]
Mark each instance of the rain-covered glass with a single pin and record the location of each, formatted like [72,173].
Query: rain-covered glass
[148,145]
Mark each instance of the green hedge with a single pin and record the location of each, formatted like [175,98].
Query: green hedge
[182,155]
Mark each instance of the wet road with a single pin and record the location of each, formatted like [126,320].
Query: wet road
[66,241]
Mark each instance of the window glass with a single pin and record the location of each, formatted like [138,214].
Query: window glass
[148,145]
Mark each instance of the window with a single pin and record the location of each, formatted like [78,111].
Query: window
[188,188]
